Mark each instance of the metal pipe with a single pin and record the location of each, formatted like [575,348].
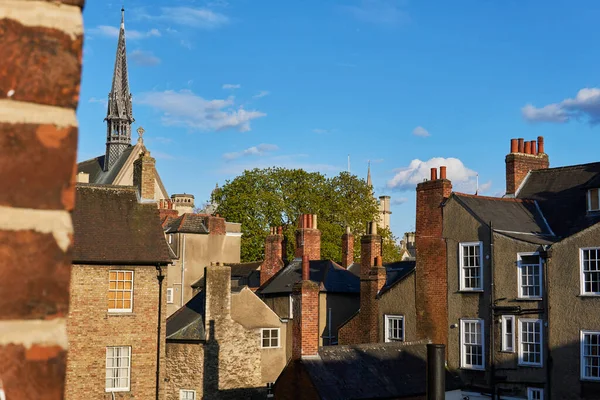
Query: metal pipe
[549,362]
[182,267]
[436,372]
[492,318]
[160,278]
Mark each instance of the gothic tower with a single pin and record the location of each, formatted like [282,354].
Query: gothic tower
[119,116]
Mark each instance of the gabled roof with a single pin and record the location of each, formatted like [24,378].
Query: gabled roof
[250,271]
[187,323]
[371,371]
[95,168]
[395,272]
[561,194]
[506,214]
[330,276]
[111,227]
[187,223]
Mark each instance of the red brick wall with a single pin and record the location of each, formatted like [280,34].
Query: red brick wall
[370,247]
[305,330]
[273,256]
[143,175]
[431,271]
[39,91]
[216,225]
[519,164]
[312,243]
[347,249]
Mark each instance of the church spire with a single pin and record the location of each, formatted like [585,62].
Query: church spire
[369,182]
[119,115]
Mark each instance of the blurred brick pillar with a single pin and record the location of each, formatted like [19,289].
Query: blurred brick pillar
[40,72]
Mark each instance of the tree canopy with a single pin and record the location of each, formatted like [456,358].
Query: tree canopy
[262,198]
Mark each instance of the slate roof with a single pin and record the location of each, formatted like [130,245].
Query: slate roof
[187,323]
[95,168]
[187,223]
[561,194]
[371,371]
[250,272]
[111,227]
[330,276]
[396,272]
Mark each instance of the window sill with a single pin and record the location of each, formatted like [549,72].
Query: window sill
[116,390]
[479,369]
[506,351]
[529,299]
[121,314]
[530,365]
[590,380]
[477,291]
[592,295]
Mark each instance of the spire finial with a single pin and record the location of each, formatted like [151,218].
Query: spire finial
[123,16]
[369,182]
[140,132]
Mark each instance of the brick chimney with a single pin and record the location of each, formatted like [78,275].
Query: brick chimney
[347,248]
[431,279]
[305,328]
[273,254]
[216,225]
[370,285]
[524,157]
[370,247]
[143,175]
[308,237]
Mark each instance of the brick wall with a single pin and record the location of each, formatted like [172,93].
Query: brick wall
[91,329]
[143,175]
[305,330]
[523,159]
[216,225]
[308,237]
[347,249]
[431,273]
[39,92]
[273,255]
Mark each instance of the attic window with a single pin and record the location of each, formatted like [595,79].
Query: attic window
[593,200]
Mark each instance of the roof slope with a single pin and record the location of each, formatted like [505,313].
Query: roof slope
[396,272]
[188,223]
[561,194]
[187,323]
[111,227]
[371,371]
[330,276]
[95,168]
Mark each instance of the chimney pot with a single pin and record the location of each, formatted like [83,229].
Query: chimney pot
[314,221]
[527,147]
[534,147]
[443,172]
[540,142]
[305,268]
[433,174]
[514,145]
[347,230]
[521,142]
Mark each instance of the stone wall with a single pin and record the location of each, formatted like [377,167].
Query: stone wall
[39,91]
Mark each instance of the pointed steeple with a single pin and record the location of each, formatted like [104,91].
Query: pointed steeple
[369,182]
[119,115]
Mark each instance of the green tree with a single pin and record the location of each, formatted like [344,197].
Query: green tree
[390,249]
[262,198]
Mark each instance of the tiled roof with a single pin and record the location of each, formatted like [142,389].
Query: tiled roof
[187,323]
[111,227]
[371,371]
[561,194]
[187,223]
[330,276]
[249,271]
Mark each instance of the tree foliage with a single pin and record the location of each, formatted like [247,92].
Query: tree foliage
[262,198]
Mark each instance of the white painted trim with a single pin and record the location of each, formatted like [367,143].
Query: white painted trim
[387,317]
[508,319]
[170,293]
[461,268]
[582,291]
[233,234]
[519,276]
[45,14]
[278,338]
[181,393]
[520,358]
[589,200]
[584,332]
[128,370]
[543,217]
[531,391]
[463,364]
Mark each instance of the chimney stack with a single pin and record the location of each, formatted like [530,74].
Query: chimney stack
[347,248]
[143,175]
[218,292]
[370,284]
[305,328]
[308,237]
[431,279]
[526,157]
[273,254]
[370,247]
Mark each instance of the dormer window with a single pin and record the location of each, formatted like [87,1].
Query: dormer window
[593,200]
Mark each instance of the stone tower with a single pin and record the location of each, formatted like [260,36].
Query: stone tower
[119,116]
[383,204]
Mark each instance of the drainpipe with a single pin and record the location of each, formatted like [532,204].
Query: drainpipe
[182,268]
[549,361]
[492,318]
[436,372]
[160,278]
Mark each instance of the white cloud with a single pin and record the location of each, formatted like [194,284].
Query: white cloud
[463,179]
[184,108]
[290,161]
[420,131]
[201,18]
[104,102]
[586,104]
[260,94]
[145,58]
[380,12]
[231,86]
[260,150]
[113,32]
[399,200]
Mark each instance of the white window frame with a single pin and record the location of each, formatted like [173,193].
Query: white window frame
[170,295]
[520,276]
[118,389]
[506,320]
[532,391]
[582,272]
[262,330]
[461,267]
[582,362]
[589,199]
[291,306]
[463,363]
[186,391]
[122,310]
[387,318]
[540,323]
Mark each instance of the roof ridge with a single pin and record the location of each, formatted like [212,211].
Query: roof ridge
[476,196]
[565,167]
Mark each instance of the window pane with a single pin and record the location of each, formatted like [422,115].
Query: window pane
[593,197]
[471,267]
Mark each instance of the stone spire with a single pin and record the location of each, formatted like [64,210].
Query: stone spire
[369,182]
[119,116]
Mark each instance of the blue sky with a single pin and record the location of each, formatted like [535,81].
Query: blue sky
[220,86]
